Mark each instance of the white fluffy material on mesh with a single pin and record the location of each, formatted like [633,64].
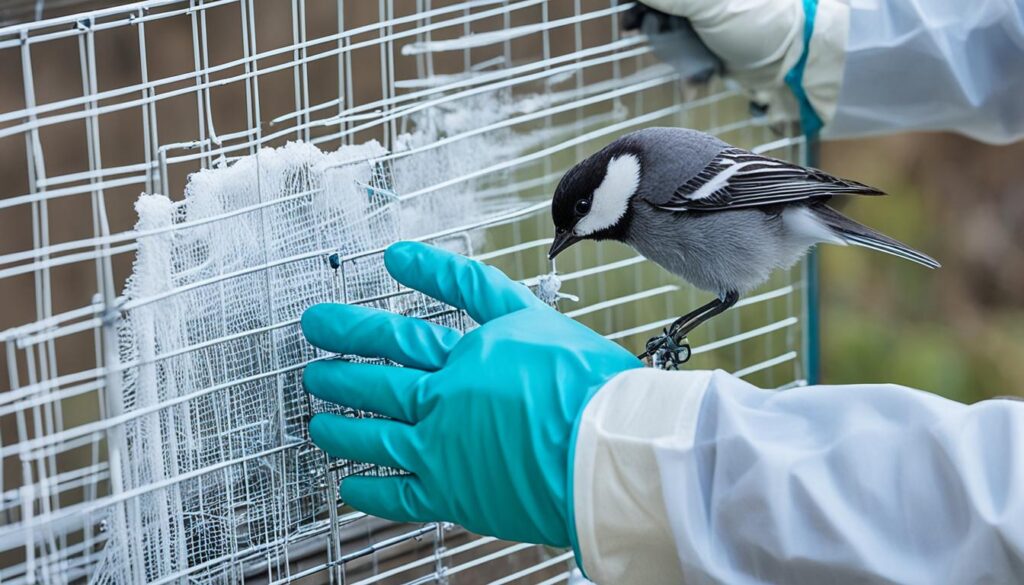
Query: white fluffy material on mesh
[210,325]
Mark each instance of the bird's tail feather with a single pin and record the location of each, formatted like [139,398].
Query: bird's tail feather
[858,234]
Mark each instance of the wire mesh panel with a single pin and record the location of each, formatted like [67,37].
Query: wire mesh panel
[183,178]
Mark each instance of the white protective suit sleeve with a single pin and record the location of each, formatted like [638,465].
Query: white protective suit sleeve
[933,65]
[699,477]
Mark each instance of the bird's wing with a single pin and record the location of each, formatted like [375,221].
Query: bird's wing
[738,178]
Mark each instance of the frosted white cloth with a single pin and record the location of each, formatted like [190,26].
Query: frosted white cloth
[699,477]
[933,65]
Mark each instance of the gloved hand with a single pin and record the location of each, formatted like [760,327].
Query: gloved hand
[761,43]
[674,42]
[484,422]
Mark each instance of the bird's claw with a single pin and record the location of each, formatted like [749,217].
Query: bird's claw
[666,352]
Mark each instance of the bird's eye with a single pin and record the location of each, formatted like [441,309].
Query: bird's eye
[583,206]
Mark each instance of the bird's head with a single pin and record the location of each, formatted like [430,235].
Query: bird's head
[592,201]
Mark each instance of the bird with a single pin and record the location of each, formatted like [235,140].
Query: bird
[720,217]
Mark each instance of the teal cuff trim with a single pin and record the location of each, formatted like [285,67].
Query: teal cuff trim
[809,119]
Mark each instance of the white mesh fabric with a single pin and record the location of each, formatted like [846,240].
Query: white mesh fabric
[250,249]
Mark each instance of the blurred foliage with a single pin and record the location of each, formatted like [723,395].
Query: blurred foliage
[957,331]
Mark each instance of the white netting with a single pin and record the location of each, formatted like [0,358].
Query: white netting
[215,294]
[210,325]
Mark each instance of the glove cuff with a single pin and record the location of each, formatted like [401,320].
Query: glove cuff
[826,58]
[817,74]
[619,526]
[809,81]
[810,122]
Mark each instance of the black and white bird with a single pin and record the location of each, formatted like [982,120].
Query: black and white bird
[720,217]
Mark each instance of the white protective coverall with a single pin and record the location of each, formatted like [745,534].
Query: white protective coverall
[933,65]
[699,477]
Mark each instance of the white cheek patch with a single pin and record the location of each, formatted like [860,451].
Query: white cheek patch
[611,198]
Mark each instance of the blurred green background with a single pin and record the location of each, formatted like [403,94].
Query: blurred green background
[957,331]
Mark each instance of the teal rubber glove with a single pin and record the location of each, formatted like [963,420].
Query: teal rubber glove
[483,422]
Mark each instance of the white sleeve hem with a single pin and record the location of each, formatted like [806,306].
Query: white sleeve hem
[826,58]
[622,525]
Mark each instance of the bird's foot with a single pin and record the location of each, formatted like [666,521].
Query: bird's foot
[665,352]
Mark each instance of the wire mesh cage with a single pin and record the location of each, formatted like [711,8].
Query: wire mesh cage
[183,177]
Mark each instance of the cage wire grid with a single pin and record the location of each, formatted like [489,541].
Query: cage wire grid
[152,427]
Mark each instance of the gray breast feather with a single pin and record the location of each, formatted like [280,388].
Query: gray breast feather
[718,252]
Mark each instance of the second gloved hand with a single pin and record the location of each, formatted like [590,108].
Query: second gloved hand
[761,42]
[483,422]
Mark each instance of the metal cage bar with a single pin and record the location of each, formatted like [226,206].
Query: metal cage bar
[152,420]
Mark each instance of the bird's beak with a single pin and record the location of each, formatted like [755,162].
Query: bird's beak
[562,241]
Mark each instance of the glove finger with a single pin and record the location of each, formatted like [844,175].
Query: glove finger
[367,440]
[399,499]
[351,329]
[482,291]
[386,390]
